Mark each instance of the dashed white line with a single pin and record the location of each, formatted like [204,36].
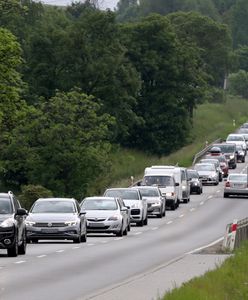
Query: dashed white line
[202,203]
[60,251]
[75,247]
[137,233]
[192,209]
[209,197]
[20,262]
[118,239]
[170,222]
[90,245]
[181,216]
[104,242]
[154,228]
[41,256]
[218,191]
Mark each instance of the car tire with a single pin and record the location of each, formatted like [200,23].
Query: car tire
[226,195]
[146,221]
[13,251]
[84,237]
[125,231]
[199,191]
[243,160]
[164,212]
[34,241]
[120,233]
[22,247]
[173,206]
[78,239]
[140,223]
[128,227]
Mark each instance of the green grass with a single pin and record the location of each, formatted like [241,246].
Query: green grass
[211,121]
[228,282]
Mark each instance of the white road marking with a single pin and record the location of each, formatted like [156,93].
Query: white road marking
[202,203]
[118,239]
[192,209]
[137,233]
[209,197]
[104,242]
[20,262]
[90,245]
[206,246]
[181,216]
[60,251]
[40,256]
[154,228]
[75,247]
[170,222]
[218,191]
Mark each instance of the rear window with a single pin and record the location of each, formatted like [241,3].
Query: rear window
[149,193]
[99,204]
[235,138]
[192,174]
[124,194]
[225,148]
[158,180]
[239,177]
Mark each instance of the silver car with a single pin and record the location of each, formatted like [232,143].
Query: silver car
[133,199]
[156,203]
[236,184]
[216,162]
[56,219]
[207,173]
[105,215]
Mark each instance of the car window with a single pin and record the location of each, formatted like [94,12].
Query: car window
[205,167]
[235,138]
[53,207]
[124,194]
[192,174]
[183,175]
[240,177]
[16,203]
[99,204]
[5,206]
[149,192]
[158,180]
[225,148]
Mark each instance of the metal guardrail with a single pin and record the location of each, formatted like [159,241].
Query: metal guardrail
[242,232]
[204,151]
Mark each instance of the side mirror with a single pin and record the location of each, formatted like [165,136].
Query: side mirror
[82,213]
[225,179]
[128,207]
[124,209]
[177,183]
[21,212]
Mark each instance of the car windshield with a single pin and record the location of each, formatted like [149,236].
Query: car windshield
[236,138]
[53,207]
[227,148]
[99,204]
[221,158]
[210,161]
[238,177]
[5,206]
[193,174]
[239,148]
[124,194]
[158,180]
[149,192]
[205,167]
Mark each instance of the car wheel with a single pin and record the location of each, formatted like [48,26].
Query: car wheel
[120,233]
[22,248]
[164,212]
[78,239]
[84,237]
[243,160]
[13,251]
[173,206]
[226,195]
[125,231]
[129,227]
[140,223]
[146,220]
[34,241]
[199,191]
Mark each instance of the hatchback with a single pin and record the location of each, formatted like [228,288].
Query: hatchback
[236,184]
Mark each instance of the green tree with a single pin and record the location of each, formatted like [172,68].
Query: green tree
[63,145]
[238,83]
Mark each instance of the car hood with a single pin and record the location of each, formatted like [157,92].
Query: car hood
[152,199]
[51,217]
[133,203]
[206,173]
[100,213]
[5,217]
[168,189]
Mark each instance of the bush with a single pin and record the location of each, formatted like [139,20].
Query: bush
[30,193]
[216,95]
[238,83]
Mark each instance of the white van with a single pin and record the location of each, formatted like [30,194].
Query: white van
[181,179]
[167,185]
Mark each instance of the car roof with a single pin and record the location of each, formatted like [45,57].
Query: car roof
[122,189]
[100,198]
[147,187]
[57,199]
[205,164]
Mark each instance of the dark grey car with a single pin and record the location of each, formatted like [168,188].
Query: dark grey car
[12,225]
[56,219]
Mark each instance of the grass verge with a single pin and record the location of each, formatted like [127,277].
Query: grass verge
[228,282]
[211,121]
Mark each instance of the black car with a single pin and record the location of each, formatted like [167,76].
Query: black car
[195,182]
[230,152]
[240,154]
[12,225]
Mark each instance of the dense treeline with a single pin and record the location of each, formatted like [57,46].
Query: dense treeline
[76,82]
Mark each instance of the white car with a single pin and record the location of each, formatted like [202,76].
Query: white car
[132,199]
[237,139]
[156,203]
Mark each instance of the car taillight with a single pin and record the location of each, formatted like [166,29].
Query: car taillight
[227,184]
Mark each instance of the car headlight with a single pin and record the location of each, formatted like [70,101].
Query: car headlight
[71,223]
[114,218]
[231,156]
[7,223]
[158,203]
[29,223]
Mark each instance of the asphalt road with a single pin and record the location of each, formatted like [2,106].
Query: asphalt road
[67,271]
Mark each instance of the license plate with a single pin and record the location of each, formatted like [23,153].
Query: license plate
[96,225]
[239,185]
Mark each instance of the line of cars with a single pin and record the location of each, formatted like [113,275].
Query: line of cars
[161,187]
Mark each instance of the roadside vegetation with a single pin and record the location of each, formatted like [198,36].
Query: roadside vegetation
[227,282]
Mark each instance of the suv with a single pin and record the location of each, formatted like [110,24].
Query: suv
[12,225]
[230,152]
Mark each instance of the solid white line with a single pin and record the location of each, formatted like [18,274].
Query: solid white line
[206,246]
[192,209]
[170,222]
[118,239]
[40,256]
[181,216]
[60,251]
[20,262]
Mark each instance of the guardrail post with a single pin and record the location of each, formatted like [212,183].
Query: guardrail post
[233,234]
